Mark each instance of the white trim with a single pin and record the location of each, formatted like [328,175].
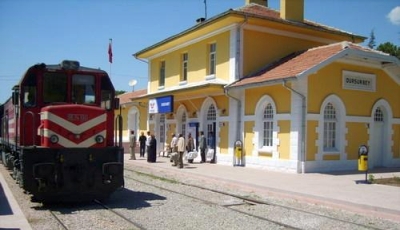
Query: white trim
[233,46]
[76,129]
[135,112]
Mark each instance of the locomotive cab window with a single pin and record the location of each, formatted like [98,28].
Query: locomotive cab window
[29,96]
[54,87]
[29,91]
[83,89]
[106,93]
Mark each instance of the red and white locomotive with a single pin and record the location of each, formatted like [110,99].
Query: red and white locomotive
[58,135]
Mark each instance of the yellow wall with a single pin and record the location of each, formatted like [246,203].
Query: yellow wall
[222,103]
[223,137]
[278,93]
[312,135]
[354,141]
[358,103]
[328,81]
[284,140]
[197,62]
[248,137]
[261,49]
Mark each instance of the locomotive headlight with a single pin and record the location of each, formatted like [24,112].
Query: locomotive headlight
[99,139]
[54,139]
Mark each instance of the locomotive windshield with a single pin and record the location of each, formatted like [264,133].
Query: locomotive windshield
[83,89]
[54,87]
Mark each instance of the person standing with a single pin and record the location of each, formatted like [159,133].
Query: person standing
[148,139]
[142,144]
[181,150]
[190,143]
[174,150]
[203,146]
[211,145]
[152,153]
[132,145]
[174,142]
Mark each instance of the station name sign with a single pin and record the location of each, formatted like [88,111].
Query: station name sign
[358,81]
[161,105]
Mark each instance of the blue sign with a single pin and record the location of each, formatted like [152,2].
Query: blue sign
[193,124]
[161,105]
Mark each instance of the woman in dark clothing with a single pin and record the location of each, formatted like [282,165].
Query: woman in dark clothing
[152,155]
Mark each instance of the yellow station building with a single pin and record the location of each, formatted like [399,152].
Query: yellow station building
[297,95]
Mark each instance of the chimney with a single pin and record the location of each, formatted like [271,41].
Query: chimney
[259,2]
[200,20]
[292,10]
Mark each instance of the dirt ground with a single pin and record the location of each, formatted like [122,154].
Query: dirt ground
[393,181]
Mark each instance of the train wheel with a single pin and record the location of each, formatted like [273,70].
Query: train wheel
[20,179]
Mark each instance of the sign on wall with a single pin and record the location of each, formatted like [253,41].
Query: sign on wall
[161,105]
[358,81]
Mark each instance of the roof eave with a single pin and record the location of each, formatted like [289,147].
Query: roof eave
[261,84]
[245,14]
[172,91]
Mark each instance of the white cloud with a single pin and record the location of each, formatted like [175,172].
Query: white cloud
[394,15]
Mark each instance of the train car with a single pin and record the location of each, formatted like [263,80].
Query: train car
[60,136]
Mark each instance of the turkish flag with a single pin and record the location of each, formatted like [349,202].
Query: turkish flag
[110,54]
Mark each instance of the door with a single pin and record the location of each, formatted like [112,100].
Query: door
[377,149]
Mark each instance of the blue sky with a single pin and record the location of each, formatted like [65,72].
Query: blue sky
[50,31]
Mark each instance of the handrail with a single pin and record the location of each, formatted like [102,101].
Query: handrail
[118,131]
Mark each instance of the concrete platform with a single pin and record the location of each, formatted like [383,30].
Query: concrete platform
[345,190]
[11,216]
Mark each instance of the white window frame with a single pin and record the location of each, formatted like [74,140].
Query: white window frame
[212,65]
[341,131]
[185,62]
[259,128]
[161,80]
[330,128]
[268,126]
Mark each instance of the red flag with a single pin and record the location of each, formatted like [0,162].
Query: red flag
[110,54]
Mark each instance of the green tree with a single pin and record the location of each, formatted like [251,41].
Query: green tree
[118,92]
[390,48]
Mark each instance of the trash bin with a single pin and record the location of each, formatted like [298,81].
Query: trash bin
[363,158]
[238,154]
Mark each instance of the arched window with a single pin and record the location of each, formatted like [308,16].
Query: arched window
[378,116]
[212,113]
[330,128]
[183,124]
[211,118]
[268,126]
[162,128]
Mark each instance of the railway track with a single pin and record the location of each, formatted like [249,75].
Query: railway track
[248,201]
[163,202]
[65,216]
